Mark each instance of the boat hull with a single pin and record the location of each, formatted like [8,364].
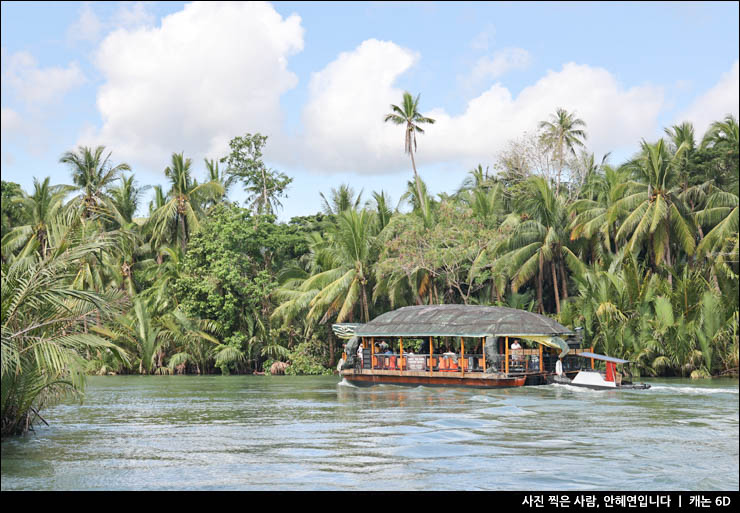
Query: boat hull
[436,380]
[594,381]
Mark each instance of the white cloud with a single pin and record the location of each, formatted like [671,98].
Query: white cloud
[90,27]
[484,39]
[615,116]
[344,117]
[209,73]
[10,122]
[500,63]
[37,86]
[715,104]
[133,15]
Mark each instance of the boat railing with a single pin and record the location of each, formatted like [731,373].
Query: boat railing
[450,362]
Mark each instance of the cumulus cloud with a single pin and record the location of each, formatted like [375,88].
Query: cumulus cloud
[206,74]
[715,104]
[343,119]
[500,63]
[348,98]
[37,86]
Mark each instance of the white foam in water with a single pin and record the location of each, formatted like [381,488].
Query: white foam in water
[346,383]
[694,390]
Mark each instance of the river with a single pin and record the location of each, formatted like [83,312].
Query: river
[317,433]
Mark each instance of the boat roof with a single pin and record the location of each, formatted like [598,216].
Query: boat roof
[460,321]
[595,356]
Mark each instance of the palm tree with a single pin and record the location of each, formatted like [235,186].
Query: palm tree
[540,239]
[126,197]
[597,214]
[93,174]
[562,135]
[652,205]
[721,245]
[223,178]
[41,207]
[338,286]
[341,199]
[43,336]
[182,210]
[726,130]
[383,211]
[408,114]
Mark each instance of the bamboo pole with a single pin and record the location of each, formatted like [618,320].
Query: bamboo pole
[541,367]
[462,356]
[484,354]
[431,355]
[400,354]
[506,355]
[372,353]
[592,360]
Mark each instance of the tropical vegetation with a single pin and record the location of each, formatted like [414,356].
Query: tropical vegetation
[642,254]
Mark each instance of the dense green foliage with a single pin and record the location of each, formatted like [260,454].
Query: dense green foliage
[643,255]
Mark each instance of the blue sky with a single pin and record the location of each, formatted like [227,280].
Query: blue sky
[147,79]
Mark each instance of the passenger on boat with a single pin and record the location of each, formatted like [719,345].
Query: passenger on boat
[516,353]
[515,350]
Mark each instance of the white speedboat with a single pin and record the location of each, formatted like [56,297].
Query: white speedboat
[610,379]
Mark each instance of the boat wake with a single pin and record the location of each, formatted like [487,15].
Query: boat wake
[694,390]
[345,383]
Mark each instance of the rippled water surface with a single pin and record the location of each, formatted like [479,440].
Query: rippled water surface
[311,433]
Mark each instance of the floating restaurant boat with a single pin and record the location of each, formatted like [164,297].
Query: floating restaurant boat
[610,379]
[456,345]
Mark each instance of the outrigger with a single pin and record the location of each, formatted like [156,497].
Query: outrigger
[456,345]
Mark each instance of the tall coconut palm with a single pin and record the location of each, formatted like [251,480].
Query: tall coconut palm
[126,197]
[408,114]
[183,210]
[539,240]
[340,199]
[41,207]
[721,244]
[562,134]
[726,130]
[223,178]
[597,214]
[93,174]
[652,206]
[381,203]
[338,289]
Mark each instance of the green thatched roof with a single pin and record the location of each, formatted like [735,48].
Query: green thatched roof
[459,321]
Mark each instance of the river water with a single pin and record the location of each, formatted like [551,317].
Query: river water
[318,433]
